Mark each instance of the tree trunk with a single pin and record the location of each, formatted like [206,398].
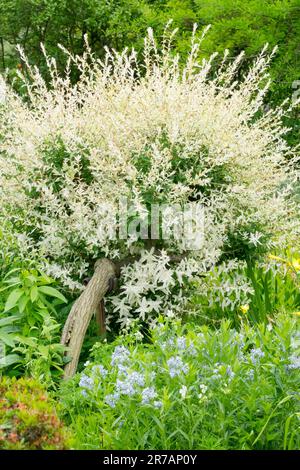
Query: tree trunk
[90,302]
[83,309]
[100,318]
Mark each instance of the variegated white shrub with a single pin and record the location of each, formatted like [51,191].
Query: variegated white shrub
[155,132]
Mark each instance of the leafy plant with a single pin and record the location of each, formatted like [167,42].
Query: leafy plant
[274,289]
[8,338]
[31,332]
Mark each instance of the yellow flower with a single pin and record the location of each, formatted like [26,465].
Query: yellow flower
[277,258]
[244,308]
[296,313]
[296,264]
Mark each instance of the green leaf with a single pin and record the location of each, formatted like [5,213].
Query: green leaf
[43,350]
[11,271]
[45,279]
[10,329]
[34,293]
[9,320]
[7,339]
[29,341]
[13,299]
[12,281]
[52,292]
[10,286]
[23,301]
[9,360]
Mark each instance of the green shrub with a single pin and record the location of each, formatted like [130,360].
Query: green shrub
[28,419]
[29,332]
[191,387]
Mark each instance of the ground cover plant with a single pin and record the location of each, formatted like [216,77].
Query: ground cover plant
[28,419]
[190,387]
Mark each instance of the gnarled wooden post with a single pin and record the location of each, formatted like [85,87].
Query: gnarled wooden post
[90,302]
[83,309]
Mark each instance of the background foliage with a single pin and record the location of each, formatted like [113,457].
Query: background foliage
[236,25]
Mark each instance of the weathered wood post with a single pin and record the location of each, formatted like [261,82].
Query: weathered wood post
[81,313]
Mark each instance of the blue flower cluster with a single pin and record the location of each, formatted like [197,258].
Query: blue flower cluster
[294,362]
[87,382]
[184,347]
[99,370]
[120,355]
[180,344]
[255,355]
[135,380]
[128,386]
[177,366]
[148,394]
[112,399]
[128,382]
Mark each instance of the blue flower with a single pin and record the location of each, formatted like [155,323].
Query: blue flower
[99,369]
[112,399]
[216,372]
[294,362]
[192,350]
[181,343]
[157,404]
[256,354]
[230,372]
[122,369]
[125,388]
[120,355]
[177,366]
[168,344]
[148,394]
[136,379]
[86,382]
